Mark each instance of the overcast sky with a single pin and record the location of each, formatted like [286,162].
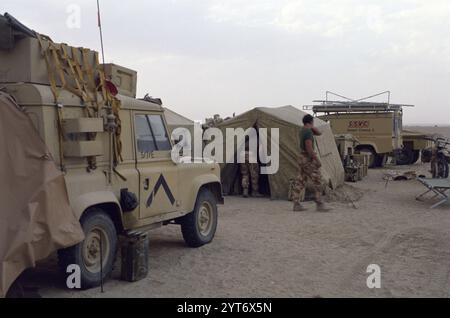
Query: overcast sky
[223,56]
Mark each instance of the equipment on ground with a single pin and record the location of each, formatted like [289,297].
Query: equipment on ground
[439,187]
[438,156]
[355,164]
[134,249]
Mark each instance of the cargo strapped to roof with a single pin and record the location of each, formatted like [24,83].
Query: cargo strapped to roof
[10,29]
[348,105]
[84,78]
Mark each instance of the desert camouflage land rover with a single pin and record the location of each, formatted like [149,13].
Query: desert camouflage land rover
[114,150]
[166,192]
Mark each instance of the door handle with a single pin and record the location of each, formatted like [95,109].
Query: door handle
[147,184]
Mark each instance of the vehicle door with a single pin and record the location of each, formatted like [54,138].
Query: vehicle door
[158,174]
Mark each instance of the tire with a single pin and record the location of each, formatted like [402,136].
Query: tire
[445,169]
[405,157]
[95,223]
[441,171]
[381,161]
[373,160]
[16,291]
[199,227]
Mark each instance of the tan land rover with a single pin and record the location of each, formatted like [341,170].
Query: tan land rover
[114,150]
[377,126]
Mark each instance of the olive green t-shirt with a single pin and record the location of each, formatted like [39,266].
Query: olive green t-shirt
[306,134]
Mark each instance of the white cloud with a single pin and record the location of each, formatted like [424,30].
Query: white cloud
[394,29]
[251,13]
[327,18]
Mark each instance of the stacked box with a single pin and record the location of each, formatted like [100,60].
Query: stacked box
[123,78]
[363,160]
[25,63]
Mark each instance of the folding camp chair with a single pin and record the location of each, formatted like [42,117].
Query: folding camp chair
[437,186]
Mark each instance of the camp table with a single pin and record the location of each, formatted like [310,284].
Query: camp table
[439,187]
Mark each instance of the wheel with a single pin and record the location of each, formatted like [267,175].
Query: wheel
[405,157]
[440,169]
[372,156]
[100,234]
[16,291]
[381,160]
[199,226]
[445,170]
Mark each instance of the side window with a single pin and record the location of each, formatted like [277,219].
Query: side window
[145,141]
[160,132]
[151,134]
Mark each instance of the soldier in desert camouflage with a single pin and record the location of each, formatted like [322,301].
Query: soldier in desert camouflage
[309,167]
[250,174]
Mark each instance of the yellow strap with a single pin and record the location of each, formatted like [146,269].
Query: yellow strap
[87,69]
[70,70]
[56,93]
[83,74]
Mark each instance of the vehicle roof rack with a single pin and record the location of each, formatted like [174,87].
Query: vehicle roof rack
[354,105]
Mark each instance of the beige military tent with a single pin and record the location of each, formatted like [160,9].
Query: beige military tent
[288,120]
[175,120]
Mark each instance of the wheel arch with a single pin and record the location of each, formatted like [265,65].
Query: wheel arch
[105,201]
[215,188]
[210,182]
[368,145]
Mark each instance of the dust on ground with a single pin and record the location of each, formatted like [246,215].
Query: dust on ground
[263,249]
[346,193]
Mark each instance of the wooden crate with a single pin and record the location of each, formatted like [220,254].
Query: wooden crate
[363,160]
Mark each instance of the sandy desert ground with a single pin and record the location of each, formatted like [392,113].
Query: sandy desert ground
[262,249]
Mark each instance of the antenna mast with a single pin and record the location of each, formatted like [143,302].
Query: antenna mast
[101,31]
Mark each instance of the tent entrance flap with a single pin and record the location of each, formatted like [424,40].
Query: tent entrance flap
[232,181]
[232,172]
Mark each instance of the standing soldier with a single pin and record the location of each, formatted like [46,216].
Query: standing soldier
[250,172]
[309,167]
[433,162]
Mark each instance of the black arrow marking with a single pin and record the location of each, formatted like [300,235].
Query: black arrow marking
[161,183]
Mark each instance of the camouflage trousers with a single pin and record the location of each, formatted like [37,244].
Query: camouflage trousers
[250,172]
[309,170]
[433,162]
